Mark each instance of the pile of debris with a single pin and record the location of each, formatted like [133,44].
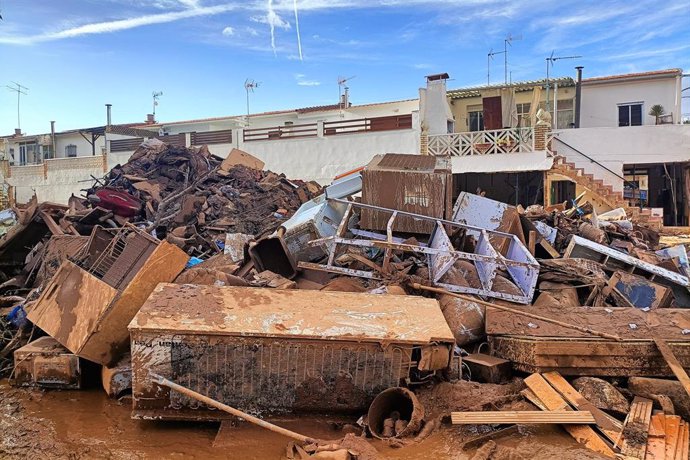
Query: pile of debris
[192,199]
[242,291]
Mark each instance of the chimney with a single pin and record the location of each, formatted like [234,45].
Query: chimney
[17,131]
[436,116]
[150,119]
[578,96]
[52,137]
[345,98]
[108,108]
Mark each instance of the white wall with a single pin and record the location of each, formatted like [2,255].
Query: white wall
[600,100]
[615,147]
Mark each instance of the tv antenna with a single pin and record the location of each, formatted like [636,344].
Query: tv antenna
[343,89]
[19,89]
[508,41]
[549,63]
[156,95]
[249,86]
[489,58]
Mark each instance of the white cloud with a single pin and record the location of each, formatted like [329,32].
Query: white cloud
[228,31]
[303,81]
[117,25]
[252,31]
[272,19]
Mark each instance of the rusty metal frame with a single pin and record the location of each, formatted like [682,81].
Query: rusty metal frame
[520,265]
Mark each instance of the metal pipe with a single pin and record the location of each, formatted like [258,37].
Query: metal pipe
[160,380]
[52,137]
[107,111]
[578,96]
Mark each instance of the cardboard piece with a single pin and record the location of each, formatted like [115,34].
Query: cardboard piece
[240,157]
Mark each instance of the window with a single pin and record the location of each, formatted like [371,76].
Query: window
[71,150]
[524,120]
[476,120]
[630,114]
[12,155]
[47,151]
[565,116]
[27,153]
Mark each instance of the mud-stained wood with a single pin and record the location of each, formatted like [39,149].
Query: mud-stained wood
[594,357]
[523,417]
[69,306]
[674,364]
[636,428]
[608,425]
[672,427]
[656,442]
[553,401]
[666,323]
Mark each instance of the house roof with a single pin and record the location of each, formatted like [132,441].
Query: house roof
[316,108]
[665,73]
[126,129]
[528,85]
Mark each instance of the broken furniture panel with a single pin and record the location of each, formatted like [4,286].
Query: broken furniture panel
[488,369]
[519,264]
[615,260]
[46,363]
[416,184]
[639,292]
[281,350]
[90,300]
[117,380]
[590,357]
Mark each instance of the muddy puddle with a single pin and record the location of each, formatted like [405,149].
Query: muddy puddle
[89,425]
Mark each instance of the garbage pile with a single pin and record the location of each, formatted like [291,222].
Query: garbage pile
[205,275]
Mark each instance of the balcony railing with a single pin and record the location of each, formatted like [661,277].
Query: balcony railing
[360,125]
[512,140]
[280,132]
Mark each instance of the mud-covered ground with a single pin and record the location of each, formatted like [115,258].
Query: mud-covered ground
[89,425]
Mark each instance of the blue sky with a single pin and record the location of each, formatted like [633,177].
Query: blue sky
[77,55]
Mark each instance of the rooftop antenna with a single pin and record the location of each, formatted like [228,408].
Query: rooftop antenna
[343,88]
[508,41]
[549,63]
[249,86]
[489,58]
[156,95]
[19,89]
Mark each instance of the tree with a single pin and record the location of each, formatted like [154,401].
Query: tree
[657,111]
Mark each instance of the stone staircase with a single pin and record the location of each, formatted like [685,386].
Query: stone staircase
[597,187]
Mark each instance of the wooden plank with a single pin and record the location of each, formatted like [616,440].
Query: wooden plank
[656,442]
[672,428]
[661,322]
[531,397]
[553,401]
[636,428]
[609,426]
[525,417]
[682,445]
[673,363]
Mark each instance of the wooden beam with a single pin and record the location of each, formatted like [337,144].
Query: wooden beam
[672,429]
[609,426]
[673,363]
[636,429]
[53,226]
[524,417]
[554,402]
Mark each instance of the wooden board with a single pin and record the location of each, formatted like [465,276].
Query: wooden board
[523,417]
[608,425]
[682,444]
[592,357]
[672,427]
[665,323]
[554,402]
[636,429]
[656,441]
[674,364]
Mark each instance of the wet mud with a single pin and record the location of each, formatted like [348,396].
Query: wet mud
[88,425]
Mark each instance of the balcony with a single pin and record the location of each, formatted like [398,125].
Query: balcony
[500,141]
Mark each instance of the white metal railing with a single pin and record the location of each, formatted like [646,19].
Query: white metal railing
[512,140]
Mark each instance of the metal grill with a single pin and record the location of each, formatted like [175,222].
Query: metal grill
[270,374]
[116,263]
